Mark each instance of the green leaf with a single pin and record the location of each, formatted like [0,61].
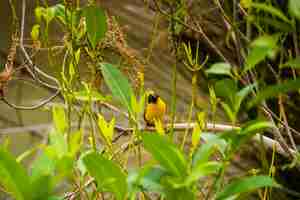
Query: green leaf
[166,153]
[220,69]
[275,90]
[293,63]
[14,177]
[44,165]
[108,175]
[271,10]
[118,85]
[59,143]
[201,170]
[210,139]
[35,32]
[255,56]
[55,198]
[42,187]
[49,14]
[242,94]
[96,24]
[294,8]
[64,167]
[147,178]
[75,143]
[262,47]
[271,21]
[268,41]
[107,128]
[180,193]
[92,95]
[246,185]
[60,12]
[60,119]
[39,12]
[203,153]
[255,126]
[226,88]
[231,114]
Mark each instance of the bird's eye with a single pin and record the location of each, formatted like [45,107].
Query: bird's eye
[152,98]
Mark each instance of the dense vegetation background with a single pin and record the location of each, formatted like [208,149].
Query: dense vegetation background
[228,71]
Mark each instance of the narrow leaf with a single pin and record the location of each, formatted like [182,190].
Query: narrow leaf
[271,10]
[202,170]
[245,185]
[293,63]
[255,126]
[275,90]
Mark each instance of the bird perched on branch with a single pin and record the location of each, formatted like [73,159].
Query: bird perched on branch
[155,109]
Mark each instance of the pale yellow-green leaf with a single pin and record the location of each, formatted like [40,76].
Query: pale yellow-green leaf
[106,128]
[77,55]
[35,32]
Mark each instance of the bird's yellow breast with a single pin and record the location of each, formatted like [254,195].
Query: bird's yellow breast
[155,111]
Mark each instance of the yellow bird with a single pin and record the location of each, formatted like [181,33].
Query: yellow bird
[155,109]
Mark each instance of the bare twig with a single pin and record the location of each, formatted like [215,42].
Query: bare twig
[40,104]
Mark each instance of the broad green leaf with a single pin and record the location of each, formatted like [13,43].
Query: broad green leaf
[293,63]
[64,167]
[275,90]
[210,139]
[55,198]
[294,8]
[246,185]
[59,143]
[242,94]
[93,95]
[49,14]
[203,153]
[267,41]
[261,47]
[60,119]
[180,193]
[201,170]
[226,89]
[60,12]
[96,24]
[166,153]
[118,85]
[271,10]
[147,178]
[44,165]
[14,177]
[255,56]
[220,69]
[42,187]
[108,175]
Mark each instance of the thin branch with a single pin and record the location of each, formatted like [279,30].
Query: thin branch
[35,68]
[40,104]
